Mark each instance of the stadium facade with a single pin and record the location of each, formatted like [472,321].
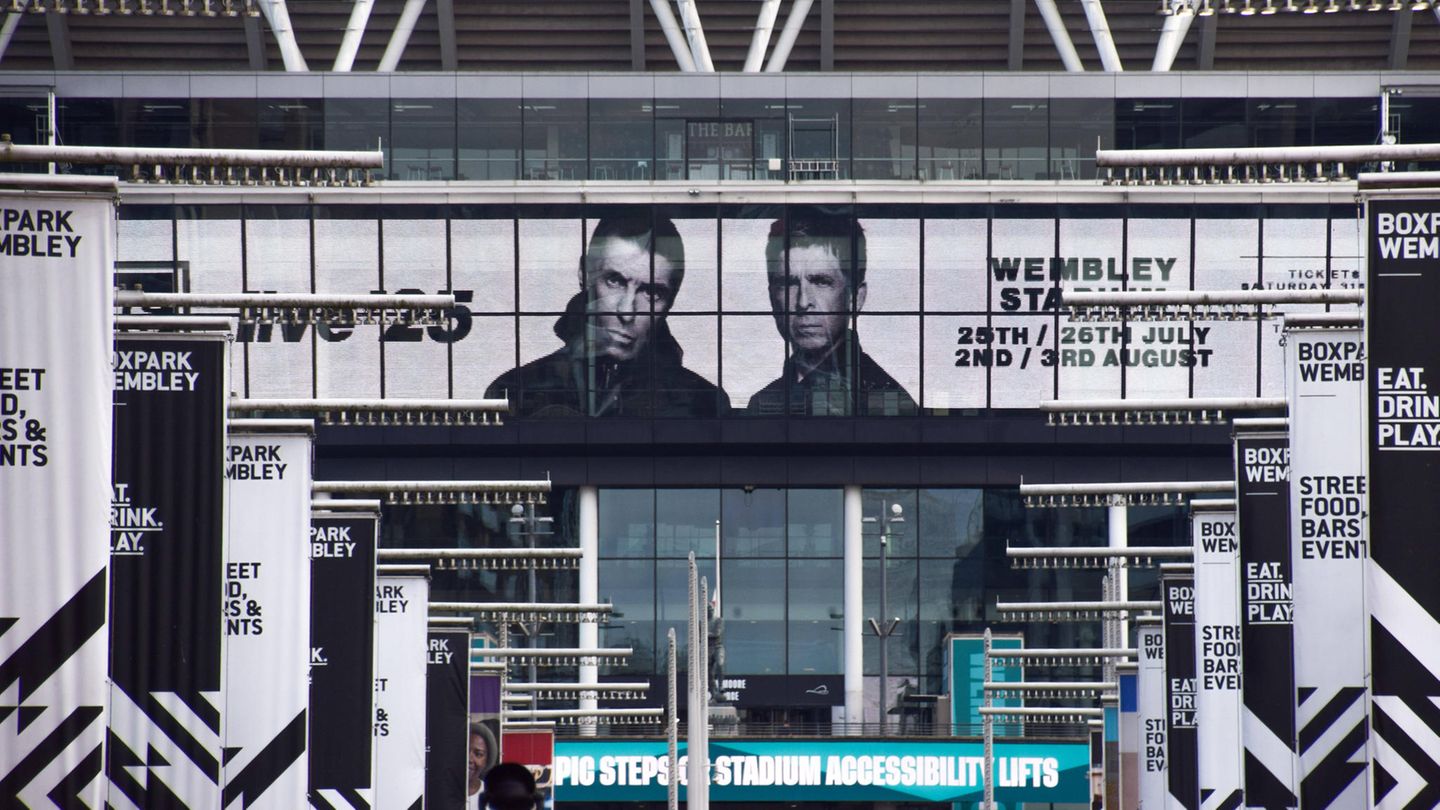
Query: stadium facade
[844,299]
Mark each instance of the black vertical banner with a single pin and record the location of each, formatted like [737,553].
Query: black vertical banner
[1403,582]
[1177,588]
[447,719]
[342,651]
[166,561]
[1262,474]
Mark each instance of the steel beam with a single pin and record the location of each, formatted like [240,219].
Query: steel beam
[1104,42]
[354,32]
[673,36]
[278,15]
[793,23]
[760,40]
[400,37]
[1055,24]
[1172,36]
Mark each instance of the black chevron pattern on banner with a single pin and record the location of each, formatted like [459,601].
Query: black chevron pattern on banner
[268,765]
[356,800]
[1326,717]
[1263,790]
[1233,801]
[418,805]
[152,794]
[318,802]
[1383,782]
[52,644]
[183,739]
[1415,756]
[6,623]
[66,793]
[1336,772]
[53,745]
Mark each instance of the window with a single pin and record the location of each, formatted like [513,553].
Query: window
[422,139]
[622,139]
[489,139]
[885,139]
[555,137]
[949,139]
[1077,128]
[1017,139]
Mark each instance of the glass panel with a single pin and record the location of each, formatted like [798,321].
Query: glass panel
[685,522]
[488,138]
[1281,122]
[1214,122]
[885,139]
[951,522]
[767,128]
[1147,123]
[422,135]
[622,139]
[816,597]
[949,139]
[23,119]
[672,117]
[1016,139]
[1340,121]
[815,522]
[753,524]
[224,123]
[155,122]
[295,123]
[819,139]
[357,123]
[672,590]
[753,603]
[555,139]
[902,602]
[1077,128]
[630,586]
[627,522]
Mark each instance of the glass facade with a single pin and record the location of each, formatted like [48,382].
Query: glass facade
[652,138]
[781,577]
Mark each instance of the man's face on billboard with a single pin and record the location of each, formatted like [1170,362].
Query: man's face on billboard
[812,302]
[623,297]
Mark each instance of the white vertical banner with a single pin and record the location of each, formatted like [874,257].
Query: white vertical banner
[56,256]
[1218,697]
[401,641]
[1152,712]
[266,611]
[1328,550]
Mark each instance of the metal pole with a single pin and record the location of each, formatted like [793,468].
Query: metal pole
[883,631]
[51,129]
[793,23]
[589,509]
[764,24]
[1119,536]
[400,37]
[695,711]
[672,730]
[700,793]
[673,36]
[529,528]
[987,724]
[354,31]
[1059,35]
[1104,42]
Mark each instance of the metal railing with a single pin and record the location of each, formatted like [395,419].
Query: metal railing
[1048,732]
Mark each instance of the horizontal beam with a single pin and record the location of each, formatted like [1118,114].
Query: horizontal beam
[317,405]
[1064,652]
[442,492]
[1101,552]
[1184,298]
[551,652]
[1078,607]
[1131,488]
[166,156]
[1049,686]
[1137,404]
[1267,155]
[130,298]
[577,687]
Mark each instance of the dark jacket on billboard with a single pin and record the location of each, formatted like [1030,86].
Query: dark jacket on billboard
[848,384]
[569,382]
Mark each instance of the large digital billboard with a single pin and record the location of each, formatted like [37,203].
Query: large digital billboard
[754,310]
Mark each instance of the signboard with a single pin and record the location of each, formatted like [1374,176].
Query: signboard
[342,655]
[535,749]
[1218,656]
[55,428]
[965,679]
[1262,472]
[267,615]
[828,771]
[1403,428]
[1182,775]
[1131,741]
[1153,714]
[447,717]
[926,307]
[166,571]
[401,607]
[1329,550]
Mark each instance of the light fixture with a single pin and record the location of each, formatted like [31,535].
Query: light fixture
[1420,5]
[1332,6]
[1248,10]
[1207,8]
[1269,8]
[1311,8]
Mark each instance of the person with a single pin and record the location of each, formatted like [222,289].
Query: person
[511,786]
[482,746]
[815,292]
[619,358]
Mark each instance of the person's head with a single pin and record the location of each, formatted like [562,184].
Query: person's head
[815,263]
[482,747]
[510,786]
[624,297]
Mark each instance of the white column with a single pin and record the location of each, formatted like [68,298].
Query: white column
[854,639]
[589,588]
[1119,522]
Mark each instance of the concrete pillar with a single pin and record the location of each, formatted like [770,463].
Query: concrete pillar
[589,587]
[854,639]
